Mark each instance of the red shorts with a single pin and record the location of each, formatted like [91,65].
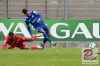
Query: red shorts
[21,46]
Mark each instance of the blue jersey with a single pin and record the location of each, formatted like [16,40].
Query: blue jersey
[32,19]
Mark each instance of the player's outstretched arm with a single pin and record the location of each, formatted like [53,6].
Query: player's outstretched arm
[29,29]
[33,37]
[30,39]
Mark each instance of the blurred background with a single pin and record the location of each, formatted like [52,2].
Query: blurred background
[52,9]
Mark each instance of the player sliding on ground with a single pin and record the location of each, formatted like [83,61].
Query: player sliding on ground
[14,40]
[35,19]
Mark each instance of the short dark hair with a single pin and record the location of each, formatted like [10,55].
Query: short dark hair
[24,10]
[11,33]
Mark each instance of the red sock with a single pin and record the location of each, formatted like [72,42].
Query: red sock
[33,48]
[34,37]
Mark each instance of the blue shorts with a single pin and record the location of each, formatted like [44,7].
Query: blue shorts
[44,28]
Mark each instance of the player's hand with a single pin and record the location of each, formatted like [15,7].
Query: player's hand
[30,39]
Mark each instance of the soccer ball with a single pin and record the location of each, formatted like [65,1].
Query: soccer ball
[92,45]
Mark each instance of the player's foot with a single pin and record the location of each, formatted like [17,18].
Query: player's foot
[54,43]
[42,46]
[39,35]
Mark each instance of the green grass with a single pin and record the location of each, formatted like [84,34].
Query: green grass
[47,57]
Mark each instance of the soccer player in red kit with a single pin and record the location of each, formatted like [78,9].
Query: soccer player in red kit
[14,40]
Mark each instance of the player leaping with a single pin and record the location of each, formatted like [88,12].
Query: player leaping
[35,19]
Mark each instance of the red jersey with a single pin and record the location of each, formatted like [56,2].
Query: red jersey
[16,41]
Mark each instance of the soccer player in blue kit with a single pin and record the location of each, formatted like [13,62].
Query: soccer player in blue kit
[35,19]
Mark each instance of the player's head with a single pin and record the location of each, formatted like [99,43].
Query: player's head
[25,11]
[11,35]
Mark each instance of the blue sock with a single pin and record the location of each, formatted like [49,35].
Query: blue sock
[47,37]
[44,41]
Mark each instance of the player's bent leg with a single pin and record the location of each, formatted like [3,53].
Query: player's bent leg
[45,35]
[25,47]
[53,43]
[42,45]
[44,41]
[48,33]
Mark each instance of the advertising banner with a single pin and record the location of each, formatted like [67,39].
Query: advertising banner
[60,30]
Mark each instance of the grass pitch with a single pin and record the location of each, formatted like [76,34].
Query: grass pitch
[47,57]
